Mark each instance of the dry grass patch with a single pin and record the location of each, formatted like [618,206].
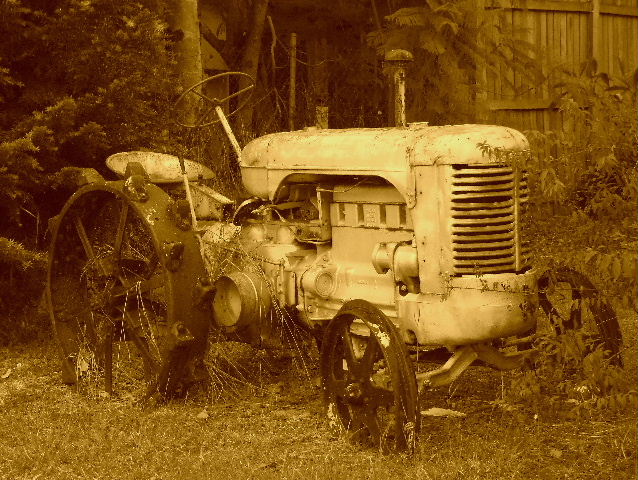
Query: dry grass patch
[50,431]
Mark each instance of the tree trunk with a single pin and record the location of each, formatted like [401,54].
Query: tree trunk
[185,20]
[250,59]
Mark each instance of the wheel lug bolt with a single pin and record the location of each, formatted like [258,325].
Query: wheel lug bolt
[354,391]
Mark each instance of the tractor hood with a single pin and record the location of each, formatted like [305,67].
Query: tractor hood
[390,153]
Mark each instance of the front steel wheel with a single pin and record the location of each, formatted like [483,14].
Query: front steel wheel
[369,384]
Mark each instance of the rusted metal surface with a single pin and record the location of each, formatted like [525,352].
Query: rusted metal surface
[205,111]
[292,94]
[372,239]
[571,302]
[391,153]
[117,262]
[368,380]
[160,167]
[396,61]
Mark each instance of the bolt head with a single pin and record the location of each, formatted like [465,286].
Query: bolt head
[354,391]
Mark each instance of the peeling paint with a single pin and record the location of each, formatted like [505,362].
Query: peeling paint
[151,215]
[383,337]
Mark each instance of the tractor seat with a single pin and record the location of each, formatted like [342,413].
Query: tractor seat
[161,167]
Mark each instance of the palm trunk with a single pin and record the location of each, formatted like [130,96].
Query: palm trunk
[185,19]
[250,59]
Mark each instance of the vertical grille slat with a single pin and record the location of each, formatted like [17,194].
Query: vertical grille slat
[488,202]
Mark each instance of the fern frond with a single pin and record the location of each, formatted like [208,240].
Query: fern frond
[408,17]
[15,255]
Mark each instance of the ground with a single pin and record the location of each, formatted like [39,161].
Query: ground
[277,430]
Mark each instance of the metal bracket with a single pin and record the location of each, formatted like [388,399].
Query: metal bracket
[465,356]
[135,188]
[179,212]
[204,293]
[173,255]
[460,360]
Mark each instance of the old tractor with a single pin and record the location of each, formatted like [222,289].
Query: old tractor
[390,245]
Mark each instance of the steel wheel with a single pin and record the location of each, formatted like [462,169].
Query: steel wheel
[368,380]
[120,289]
[205,106]
[572,303]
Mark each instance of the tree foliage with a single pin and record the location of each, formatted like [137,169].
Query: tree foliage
[451,41]
[79,79]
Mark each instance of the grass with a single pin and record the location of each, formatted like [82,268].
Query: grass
[48,430]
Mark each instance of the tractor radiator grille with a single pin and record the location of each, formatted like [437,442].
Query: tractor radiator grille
[488,205]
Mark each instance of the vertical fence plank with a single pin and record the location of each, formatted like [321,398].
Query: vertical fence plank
[584,35]
[564,34]
[551,47]
[610,44]
[481,73]
[541,47]
[498,87]
[595,29]
[569,41]
[563,40]
[508,87]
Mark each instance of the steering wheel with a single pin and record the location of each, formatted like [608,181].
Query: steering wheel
[204,106]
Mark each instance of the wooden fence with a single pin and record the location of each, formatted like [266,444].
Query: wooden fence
[565,34]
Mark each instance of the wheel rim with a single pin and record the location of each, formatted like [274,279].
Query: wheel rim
[113,301]
[368,381]
[571,302]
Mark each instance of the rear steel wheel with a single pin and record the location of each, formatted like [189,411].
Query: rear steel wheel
[369,384]
[572,303]
[121,291]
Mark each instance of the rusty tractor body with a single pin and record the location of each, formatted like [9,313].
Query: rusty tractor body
[385,243]
[403,218]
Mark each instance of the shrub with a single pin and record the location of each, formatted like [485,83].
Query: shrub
[79,80]
[584,183]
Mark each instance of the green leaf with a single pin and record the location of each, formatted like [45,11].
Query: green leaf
[432,42]
[441,23]
[408,17]
[589,254]
[616,268]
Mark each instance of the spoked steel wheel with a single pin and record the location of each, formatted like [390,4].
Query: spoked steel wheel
[368,380]
[572,303]
[204,106]
[122,291]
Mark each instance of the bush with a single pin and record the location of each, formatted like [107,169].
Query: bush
[584,183]
[79,80]
[563,382]
[21,285]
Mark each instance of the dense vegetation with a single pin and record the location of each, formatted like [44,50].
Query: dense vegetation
[79,80]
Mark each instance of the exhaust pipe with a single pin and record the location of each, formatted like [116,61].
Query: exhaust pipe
[396,62]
